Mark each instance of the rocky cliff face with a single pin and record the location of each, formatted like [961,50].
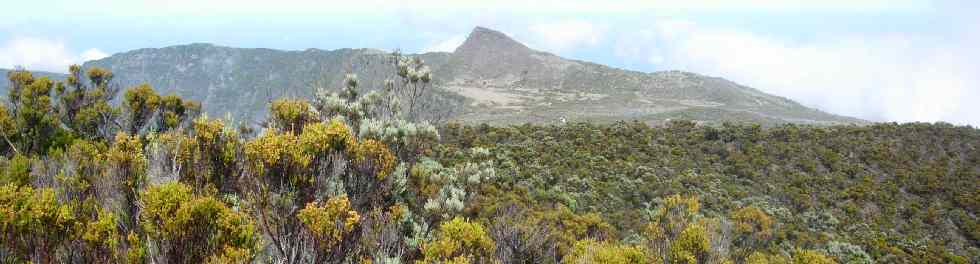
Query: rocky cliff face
[491,76]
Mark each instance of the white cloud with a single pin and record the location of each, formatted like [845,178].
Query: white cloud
[42,54]
[92,54]
[639,47]
[35,54]
[448,45]
[898,77]
[565,35]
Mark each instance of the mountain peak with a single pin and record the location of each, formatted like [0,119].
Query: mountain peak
[488,53]
[478,31]
[481,39]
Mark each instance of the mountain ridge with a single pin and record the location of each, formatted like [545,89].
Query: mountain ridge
[490,77]
[506,66]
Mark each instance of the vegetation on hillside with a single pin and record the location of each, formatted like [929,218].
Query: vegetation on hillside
[905,193]
[86,177]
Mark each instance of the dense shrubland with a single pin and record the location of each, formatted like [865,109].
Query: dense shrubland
[905,193]
[86,177]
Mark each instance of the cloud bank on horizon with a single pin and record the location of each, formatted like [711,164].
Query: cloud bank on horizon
[43,54]
[886,77]
[881,60]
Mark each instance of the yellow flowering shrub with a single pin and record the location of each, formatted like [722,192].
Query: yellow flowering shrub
[588,251]
[98,75]
[87,154]
[379,156]
[127,150]
[230,254]
[208,130]
[160,203]
[102,232]
[331,221]
[675,234]
[672,217]
[568,227]
[8,124]
[763,258]
[800,256]
[174,110]
[141,101]
[16,171]
[811,257]
[691,246]
[753,228]
[272,150]
[291,114]
[205,157]
[172,213]
[323,137]
[127,155]
[752,220]
[136,253]
[459,241]
[177,145]
[34,221]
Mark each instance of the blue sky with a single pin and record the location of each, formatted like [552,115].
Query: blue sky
[895,60]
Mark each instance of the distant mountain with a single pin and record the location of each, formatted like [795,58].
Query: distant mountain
[4,83]
[240,81]
[528,85]
[489,78]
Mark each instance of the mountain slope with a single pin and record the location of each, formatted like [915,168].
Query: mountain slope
[550,86]
[241,81]
[493,77]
